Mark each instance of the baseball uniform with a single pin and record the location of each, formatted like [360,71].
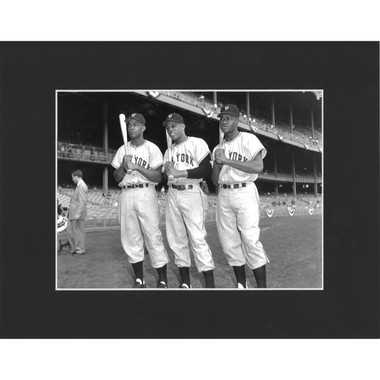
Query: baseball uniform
[138,206]
[185,211]
[238,206]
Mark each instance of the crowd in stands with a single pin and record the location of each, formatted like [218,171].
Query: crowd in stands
[70,150]
[281,130]
[303,200]
[83,152]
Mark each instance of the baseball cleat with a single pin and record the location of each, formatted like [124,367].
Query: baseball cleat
[162,285]
[240,286]
[185,286]
[139,283]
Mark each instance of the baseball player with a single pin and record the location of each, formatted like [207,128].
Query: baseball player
[138,205]
[186,164]
[237,161]
[77,214]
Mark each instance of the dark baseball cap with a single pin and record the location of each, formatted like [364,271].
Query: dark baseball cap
[173,117]
[229,109]
[136,116]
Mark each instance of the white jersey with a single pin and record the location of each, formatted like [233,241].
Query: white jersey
[147,155]
[244,147]
[187,155]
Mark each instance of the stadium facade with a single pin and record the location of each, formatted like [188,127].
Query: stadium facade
[288,123]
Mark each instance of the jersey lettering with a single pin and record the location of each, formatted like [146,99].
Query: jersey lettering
[237,157]
[182,157]
[141,162]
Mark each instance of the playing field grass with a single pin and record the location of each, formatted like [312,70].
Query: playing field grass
[293,245]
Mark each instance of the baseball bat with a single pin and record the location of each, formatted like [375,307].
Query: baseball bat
[169,143]
[123,127]
[221,136]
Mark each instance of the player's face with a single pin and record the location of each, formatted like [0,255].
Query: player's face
[135,129]
[175,130]
[228,123]
[75,179]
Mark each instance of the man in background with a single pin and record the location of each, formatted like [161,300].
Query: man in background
[76,215]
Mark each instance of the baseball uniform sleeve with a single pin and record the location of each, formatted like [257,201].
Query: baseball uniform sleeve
[202,150]
[254,146]
[155,159]
[118,158]
[202,171]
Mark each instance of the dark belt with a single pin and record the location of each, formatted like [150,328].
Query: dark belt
[140,185]
[234,186]
[182,187]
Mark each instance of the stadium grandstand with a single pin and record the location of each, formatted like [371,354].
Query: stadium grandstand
[288,123]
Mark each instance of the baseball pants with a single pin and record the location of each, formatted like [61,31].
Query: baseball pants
[139,223]
[237,221]
[185,215]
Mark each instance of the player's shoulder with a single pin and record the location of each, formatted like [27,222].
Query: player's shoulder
[196,141]
[248,136]
[151,145]
[152,148]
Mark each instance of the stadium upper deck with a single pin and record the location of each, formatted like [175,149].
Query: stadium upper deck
[289,124]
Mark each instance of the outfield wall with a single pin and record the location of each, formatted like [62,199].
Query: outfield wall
[278,211]
[103,212]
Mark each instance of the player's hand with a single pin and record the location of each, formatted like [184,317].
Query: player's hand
[127,158]
[130,166]
[170,170]
[127,163]
[168,167]
[220,157]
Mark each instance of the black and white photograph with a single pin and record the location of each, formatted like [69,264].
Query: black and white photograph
[189,189]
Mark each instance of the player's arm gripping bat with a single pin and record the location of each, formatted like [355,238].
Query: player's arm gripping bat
[221,136]
[221,145]
[123,127]
[169,142]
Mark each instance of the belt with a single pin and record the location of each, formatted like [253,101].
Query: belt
[140,185]
[182,187]
[234,186]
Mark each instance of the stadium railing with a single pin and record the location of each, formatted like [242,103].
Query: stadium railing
[72,151]
[289,177]
[281,130]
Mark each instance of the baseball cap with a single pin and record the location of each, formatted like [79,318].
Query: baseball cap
[174,117]
[229,109]
[136,116]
